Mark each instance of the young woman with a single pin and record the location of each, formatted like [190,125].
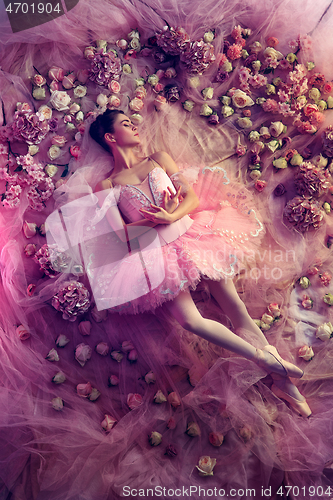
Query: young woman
[151,193]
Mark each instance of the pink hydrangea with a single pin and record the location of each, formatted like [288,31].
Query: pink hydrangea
[27,127]
[105,67]
[72,299]
[51,261]
[327,141]
[198,57]
[173,41]
[304,214]
[270,106]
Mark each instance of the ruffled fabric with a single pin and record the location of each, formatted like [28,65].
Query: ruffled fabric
[144,371]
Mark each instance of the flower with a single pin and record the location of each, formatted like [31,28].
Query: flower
[307,302]
[117,356]
[75,151]
[304,282]
[240,99]
[113,380]
[114,101]
[27,126]
[102,348]
[59,378]
[325,278]
[95,394]
[267,318]
[134,401]
[132,355]
[155,438]
[296,160]
[213,119]
[72,299]
[22,332]
[136,118]
[84,390]
[306,352]
[30,249]
[51,170]
[279,190]
[172,93]
[245,433]
[260,185]
[174,400]
[127,69]
[241,150]
[150,378]
[80,91]
[85,327]
[52,355]
[54,152]
[127,346]
[193,429]
[62,340]
[276,128]
[56,73]
[274,310]
[173,41]
[280,163]
[171,451]
[108,423]
[159,397]
[38,93]
[199,55]
[105,66]
[255,175]
[328,299]
[82,353]
[171,423]
[216,438]
[57,404]
[324,331]
[303,213]
[227,111]
[244,122]
[159,102]
[270,106]
[59,100]
[311,180]
[122,44]
[82,75]
[207,93]
[206,466]
[272,41]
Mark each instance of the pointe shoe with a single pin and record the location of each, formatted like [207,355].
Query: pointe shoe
[269,359]
[301,407]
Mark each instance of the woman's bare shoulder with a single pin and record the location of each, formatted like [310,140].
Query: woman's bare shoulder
[165,161]
[102,185]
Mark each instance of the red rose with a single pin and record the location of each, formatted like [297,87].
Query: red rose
[75,151]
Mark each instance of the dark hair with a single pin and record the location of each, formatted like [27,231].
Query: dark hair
[104,123]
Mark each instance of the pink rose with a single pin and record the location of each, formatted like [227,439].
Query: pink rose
[75,151]
[150,378]
[54,85]
[29,229]
[136,104]
[241,151]
[114,101]
[113,380]
[68,81]
[173,399]
[89,53]
[160,74]
[132,355]
[114,86]
[30,249]
[117,356]
[310,108]
[127,346]
[82,75]
[84,390]
[140,92]
[272,41]
[160,102]
[171,424]
[260,185]
[134,401]
[274,309]
[56,73]
[60,100]
[59,140]
[52,355]
[159,87]
[122,44]
[39,80]
[216,438]
[102,348]
[306,353]
[82,353]
[22,332]
[108,423]
[62,340]
[325,278]
[307,302]
[306,128]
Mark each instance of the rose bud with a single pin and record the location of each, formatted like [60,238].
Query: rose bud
[155,438]
[102,348]
[171,424]
[132,355]
[245,433]
[85,327]
[74,108]
[150,378]
[29,229]
[274,309]
[99,316]
[22,332]
[62,340]
[267,318]
[54,85]
[304,282]
[59,378]
[174,399]
[82,353]
[52,355]
[117,356]
[122,44]
[38,93]
[113,380]
[307,302]
[31,289]
[102,100]
[84,390]
[193,429]
[95,394]
[57,404]
[68,81]
[324,331]
[171,451]
[108,423]
[134,401]
[216,438]
[39,80]
[127,346]
[33,149]
[82,75]
[306,353]
[279,190]
[56,73]
[206,466]
[159,397]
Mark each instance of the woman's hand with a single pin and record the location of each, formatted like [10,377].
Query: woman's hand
[171,200]
[159,216]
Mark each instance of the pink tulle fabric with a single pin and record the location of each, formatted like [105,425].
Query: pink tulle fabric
[53,446]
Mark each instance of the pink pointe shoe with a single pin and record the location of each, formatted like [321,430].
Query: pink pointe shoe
[269,359]
[301,407]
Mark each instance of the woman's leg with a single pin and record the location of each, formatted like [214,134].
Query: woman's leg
[225,294]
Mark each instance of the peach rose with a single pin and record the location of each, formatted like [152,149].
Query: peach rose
[59,140]
[39,80]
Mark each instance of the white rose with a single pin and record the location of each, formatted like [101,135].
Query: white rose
[60,100]
[45,111]
[324,331]
[153,80]
[206,110]
[57,403]
[227,111]
[267,318]
[127,69]
[206,466]
[254,136]
[264,132]
[54,152]
[33,149]
[273,54]
[39,93]
[264,326]
[136,118]
[306,353]
[80,91]
[277,128]
[79,117]
[135,44]
[51,170]
[194,82]
[255,175]
[227,67]
[208,93]
[208,36]
[101,44]
[74,108]
[244,122]
[273,145]
[240,99]
[102,100]
[226,100]
[188,105]
[319,161]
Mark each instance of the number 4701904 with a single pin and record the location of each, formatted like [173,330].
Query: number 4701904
[305,491]
[33,8]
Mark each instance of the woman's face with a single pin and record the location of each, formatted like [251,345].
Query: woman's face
[125,133]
